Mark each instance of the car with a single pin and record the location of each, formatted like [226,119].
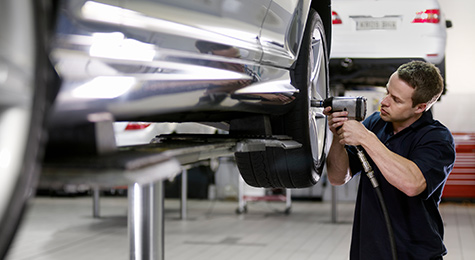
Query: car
[69,69]
[371,39]
[140,133]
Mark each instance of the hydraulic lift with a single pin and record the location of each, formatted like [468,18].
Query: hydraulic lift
[143,169]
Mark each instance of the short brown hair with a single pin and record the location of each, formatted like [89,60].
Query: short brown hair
[426,80]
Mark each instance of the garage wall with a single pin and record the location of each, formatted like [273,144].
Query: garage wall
[457,108]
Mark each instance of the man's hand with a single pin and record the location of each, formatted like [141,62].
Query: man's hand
[349,132]
[335,119]
[353,133]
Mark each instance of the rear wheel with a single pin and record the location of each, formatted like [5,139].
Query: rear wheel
[301,167]
[22,106]
[441,67]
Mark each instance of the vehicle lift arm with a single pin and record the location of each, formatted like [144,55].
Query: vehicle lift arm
[143,169]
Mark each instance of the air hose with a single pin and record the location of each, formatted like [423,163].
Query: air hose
[370,173]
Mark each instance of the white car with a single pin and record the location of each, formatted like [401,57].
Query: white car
[370,39]
[138,133]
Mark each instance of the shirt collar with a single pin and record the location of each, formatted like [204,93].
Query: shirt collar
[425,119]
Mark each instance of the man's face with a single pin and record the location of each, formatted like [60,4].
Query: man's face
[396,107]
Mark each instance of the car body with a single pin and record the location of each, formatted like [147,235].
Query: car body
[372,38]
[71,67]
[205,49]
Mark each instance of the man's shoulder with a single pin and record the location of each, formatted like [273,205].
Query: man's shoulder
[434,127]
[374,119]
[436,130]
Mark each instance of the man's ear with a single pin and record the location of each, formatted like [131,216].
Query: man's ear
[420,108]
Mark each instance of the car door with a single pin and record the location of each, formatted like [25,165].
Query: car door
[152,48]
[233,23]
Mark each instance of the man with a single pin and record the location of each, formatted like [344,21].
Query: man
[411,155]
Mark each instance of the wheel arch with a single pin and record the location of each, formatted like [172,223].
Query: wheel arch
[323,8]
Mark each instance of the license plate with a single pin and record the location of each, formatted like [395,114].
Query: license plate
[376,24]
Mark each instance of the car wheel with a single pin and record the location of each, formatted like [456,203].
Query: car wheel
[301,167]
[22,106]
[441,67]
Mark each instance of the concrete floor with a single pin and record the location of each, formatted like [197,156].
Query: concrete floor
[63,228]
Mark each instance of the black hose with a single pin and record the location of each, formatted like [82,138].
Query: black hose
[392,241]
[375,184]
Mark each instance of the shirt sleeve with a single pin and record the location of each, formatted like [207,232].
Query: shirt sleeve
[434,154]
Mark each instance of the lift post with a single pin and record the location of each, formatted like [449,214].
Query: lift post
[143,169]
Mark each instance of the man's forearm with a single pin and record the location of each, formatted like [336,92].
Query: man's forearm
[402,173]
[338,164]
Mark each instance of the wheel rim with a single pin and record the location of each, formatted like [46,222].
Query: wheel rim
[17,73]
[14,122]
[16,100]
[317,91]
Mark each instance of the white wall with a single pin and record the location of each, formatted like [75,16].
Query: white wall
[457,108]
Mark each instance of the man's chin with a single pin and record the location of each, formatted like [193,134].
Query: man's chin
[385,116]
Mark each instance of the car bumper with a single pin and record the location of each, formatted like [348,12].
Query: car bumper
[349,71]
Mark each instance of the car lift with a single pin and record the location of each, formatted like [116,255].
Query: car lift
[143,169]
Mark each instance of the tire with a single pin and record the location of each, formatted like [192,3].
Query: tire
[22,107]
[301,167]
[441,67]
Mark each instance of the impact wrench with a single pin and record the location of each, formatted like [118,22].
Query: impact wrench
[356,108]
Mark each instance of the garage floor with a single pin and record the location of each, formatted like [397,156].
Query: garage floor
[63,228]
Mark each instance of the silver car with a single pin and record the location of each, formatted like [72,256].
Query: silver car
[249,67]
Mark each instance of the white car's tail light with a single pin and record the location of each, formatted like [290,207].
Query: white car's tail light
[136,126]
[427,16]
[336,18]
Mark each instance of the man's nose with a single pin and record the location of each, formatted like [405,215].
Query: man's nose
[384,101]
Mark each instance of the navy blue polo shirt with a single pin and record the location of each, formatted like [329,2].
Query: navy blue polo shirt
[416,221]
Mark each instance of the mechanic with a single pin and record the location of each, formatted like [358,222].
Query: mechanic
[411,154]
